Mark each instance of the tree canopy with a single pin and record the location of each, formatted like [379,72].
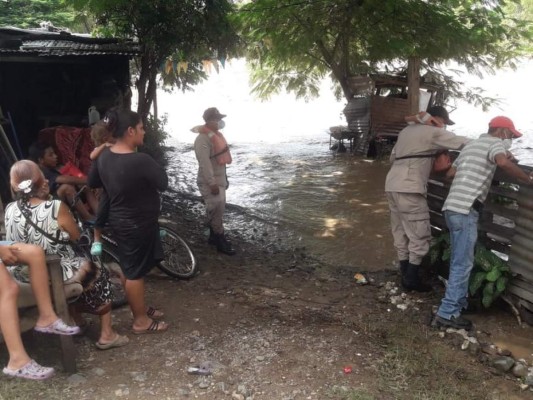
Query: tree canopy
[30,14]
[170,31]
[293,44]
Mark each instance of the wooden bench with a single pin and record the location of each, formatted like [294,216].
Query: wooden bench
[59,292]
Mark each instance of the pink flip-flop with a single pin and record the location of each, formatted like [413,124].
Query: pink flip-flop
[31,370]
[58,327]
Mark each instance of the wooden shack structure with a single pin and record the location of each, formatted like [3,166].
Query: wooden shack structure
[51,78]
[505,225]
[375,115]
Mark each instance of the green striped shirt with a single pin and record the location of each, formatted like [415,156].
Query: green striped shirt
[475,166]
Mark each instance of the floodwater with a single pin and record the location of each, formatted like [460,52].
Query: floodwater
[331,203]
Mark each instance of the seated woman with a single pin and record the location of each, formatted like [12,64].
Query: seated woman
[20,364]
[36,219]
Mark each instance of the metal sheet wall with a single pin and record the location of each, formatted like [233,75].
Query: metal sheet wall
[506,225]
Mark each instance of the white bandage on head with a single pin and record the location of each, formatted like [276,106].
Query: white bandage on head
[423,117]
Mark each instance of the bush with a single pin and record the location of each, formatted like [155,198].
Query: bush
[154,140]
[489,277]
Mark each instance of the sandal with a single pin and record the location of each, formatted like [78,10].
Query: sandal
[153,328]
[32,370]
[119,341]
[150,311]
[96,249]
[59,328]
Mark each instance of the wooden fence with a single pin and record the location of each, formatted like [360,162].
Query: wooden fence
[505,225]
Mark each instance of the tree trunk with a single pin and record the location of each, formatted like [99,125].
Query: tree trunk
[141,84]
[146,85]
[413,84]
[154,103]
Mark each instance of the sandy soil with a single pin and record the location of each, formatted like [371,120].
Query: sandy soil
[277,323]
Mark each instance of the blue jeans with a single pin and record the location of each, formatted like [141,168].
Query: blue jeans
[463,237]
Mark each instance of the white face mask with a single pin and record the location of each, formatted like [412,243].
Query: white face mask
[221,124]
[507,143]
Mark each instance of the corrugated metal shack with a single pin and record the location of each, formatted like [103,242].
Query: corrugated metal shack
[50,78]
[505,225]
[375,115]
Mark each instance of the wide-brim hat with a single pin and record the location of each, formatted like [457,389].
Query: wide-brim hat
[212,114]
[504,122]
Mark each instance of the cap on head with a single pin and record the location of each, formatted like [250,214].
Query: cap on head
[504,122]
[440,111]
[212,114]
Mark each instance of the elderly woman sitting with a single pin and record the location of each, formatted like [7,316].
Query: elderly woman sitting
[20,364]
[36,219]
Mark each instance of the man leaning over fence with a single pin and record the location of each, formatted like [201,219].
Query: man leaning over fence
[406,189]
[473,172]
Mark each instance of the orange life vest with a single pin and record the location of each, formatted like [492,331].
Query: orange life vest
[221,151]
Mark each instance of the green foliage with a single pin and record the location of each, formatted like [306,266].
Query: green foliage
[293,44]
[440,248]
[30,13]
[155,137]
[490,275]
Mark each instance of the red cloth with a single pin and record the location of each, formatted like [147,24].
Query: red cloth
[72,144]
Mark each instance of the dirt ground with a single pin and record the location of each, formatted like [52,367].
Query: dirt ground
[275,322]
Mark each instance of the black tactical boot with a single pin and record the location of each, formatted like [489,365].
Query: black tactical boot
[411,280]
[212,237]
[224,246]
[403,267]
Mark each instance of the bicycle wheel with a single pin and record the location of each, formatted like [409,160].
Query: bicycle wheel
[179,261]
[109,261]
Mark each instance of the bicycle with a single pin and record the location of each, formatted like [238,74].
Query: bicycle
[179,260]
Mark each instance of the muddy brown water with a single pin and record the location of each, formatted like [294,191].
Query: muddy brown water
[331,203]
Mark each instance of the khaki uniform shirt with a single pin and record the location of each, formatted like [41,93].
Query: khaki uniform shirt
[411,175]
[209,171]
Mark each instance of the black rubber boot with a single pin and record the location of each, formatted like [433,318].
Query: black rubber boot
[403,267]
[212,237]
[224,246]
[411,279]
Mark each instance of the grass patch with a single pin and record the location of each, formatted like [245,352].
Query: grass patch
[344,393]
[21,389]
[417,366]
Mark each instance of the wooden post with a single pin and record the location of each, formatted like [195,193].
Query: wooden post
[413,84]
[68,351]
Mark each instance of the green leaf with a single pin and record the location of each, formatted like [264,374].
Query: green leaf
[482,258]
[501,284]
[487,300]
[505,268]
[476,281]
[488,289]
[493,275]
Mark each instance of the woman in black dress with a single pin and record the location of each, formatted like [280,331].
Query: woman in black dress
[133,181]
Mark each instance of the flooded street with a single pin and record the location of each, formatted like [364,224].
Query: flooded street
[331,203]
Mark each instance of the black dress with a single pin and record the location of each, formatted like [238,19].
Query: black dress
[132,182]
